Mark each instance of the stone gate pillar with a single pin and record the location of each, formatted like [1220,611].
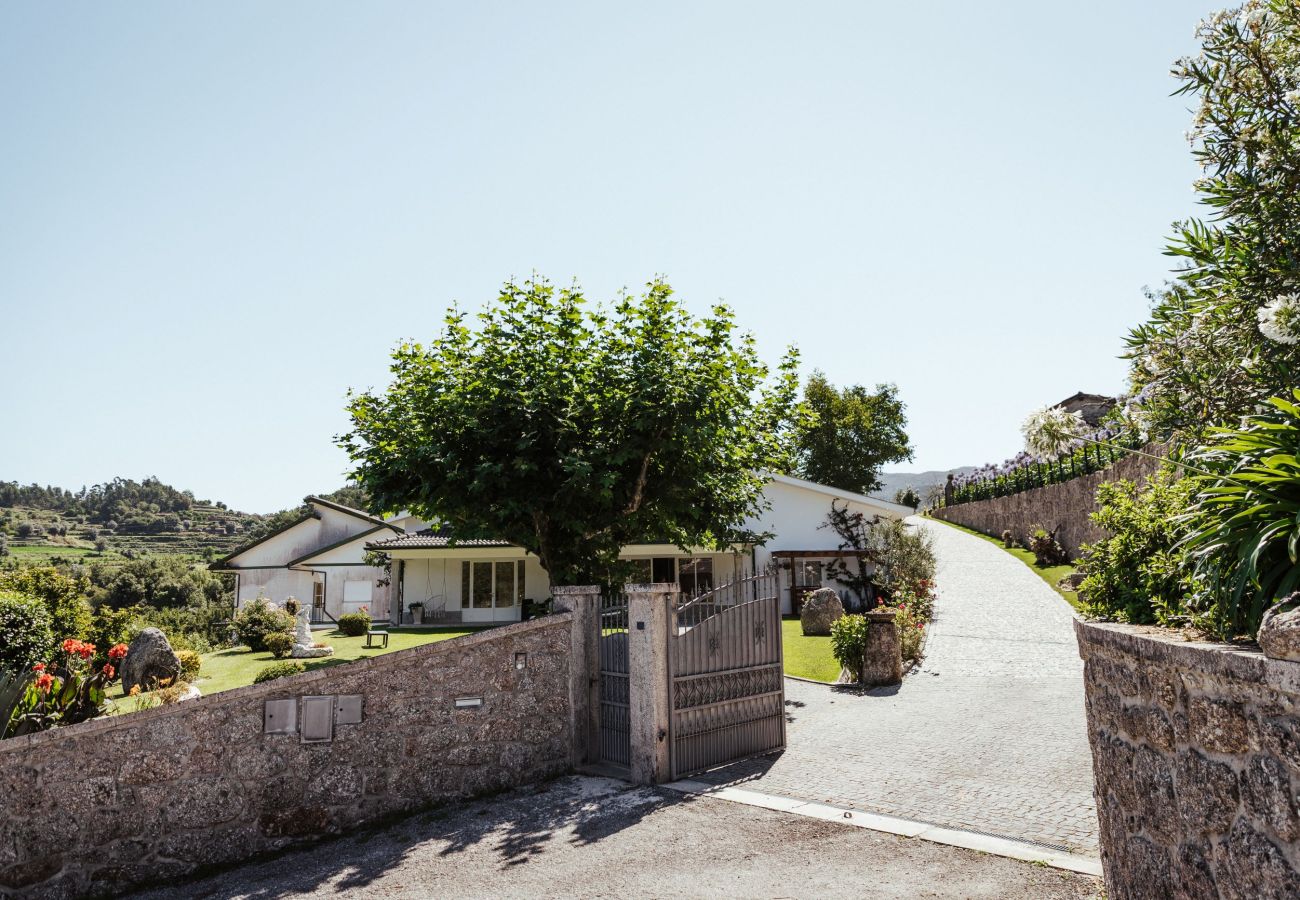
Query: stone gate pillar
[649,618]
[882,660]
[584,668]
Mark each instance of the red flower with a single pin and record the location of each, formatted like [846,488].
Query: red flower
[109,671]
[39,667]
[86,651]
[71,646]
[117,652]
[44,682]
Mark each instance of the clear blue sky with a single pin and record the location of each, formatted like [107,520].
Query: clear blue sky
[215,218]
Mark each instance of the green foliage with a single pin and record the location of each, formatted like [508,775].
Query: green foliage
[849,641]
[191,663]
[26,632]
[1244,522]
[64,596]
[574,432]
[115,626]
[1216,343]
[849,434]
[904,557]
[354,624]
[1045,547]
[157,581]
[279,670]
[280,644]
[907,497]
[1136,574]
[72,690]
[911,631]
[259,619]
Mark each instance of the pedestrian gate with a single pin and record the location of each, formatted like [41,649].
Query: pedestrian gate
[615,733]
[726,684]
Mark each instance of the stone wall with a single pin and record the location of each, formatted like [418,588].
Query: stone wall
[100,807]
[1196,759]
[1065,507]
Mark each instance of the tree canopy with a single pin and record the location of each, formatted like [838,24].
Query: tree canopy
[850,433]
[572,431]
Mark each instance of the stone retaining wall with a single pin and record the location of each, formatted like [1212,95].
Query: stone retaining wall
[1196,760]
[1065,507]
[100,807]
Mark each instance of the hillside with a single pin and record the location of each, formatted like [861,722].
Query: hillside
[893,482]
[124,519]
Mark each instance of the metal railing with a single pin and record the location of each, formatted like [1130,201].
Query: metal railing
[697,609]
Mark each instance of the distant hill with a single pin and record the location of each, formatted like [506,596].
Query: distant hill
[123,519]
[893,482]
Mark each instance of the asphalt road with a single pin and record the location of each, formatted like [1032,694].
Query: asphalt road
[594,837]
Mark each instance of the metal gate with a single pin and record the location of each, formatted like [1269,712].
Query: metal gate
[725,675]
[615,731]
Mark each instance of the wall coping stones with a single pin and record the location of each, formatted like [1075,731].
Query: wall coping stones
[292,685]
[1242,662]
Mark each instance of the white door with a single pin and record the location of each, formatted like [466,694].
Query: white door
[492,591]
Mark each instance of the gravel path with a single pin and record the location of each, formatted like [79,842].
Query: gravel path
[988,736]
[592,837]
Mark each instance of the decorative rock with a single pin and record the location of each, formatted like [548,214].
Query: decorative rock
[149,659]
[820,611]
[1071,582]
[882,660]
[1279,632]
[303,643]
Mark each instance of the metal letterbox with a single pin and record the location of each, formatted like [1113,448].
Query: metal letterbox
[317,720]
[347,709]
[280,717]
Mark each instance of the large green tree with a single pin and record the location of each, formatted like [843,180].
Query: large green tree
[850,433]
[573,431]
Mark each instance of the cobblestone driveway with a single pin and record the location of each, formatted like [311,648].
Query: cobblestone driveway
[988,736]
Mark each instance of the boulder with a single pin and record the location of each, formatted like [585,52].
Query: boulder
[820,610]
[1072,581]
[1279,632]
[149,659]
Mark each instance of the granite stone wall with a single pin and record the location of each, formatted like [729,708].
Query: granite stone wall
[100,807]
[1064,507]
[1196,761]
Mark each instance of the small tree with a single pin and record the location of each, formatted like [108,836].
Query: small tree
[907,497]
[854,532]
[572,432]
[850,433]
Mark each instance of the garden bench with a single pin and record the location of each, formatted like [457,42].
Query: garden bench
[371,635]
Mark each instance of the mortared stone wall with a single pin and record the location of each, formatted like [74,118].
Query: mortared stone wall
[101,807]
[1196,765]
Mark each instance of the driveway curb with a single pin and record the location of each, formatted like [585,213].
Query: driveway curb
[952,837]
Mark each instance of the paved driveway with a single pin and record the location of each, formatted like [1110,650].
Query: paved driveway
[990,734]
[591,837]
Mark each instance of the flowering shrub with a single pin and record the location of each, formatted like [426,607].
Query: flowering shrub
[911,631]
[69,692]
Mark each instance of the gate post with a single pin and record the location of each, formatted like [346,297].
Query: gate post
[584,668]
[649,616]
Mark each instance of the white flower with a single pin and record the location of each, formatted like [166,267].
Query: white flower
[1292,97]
[1051,431]
[1279,320]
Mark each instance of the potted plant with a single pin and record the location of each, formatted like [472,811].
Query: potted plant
[417,613]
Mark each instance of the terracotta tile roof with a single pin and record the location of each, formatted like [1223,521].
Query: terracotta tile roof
[429,539]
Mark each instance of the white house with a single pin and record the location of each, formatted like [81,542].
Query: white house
[317,559]
[486,581]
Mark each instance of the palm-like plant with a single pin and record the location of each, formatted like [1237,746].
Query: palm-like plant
[1244,523]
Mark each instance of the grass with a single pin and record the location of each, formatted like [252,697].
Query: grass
[224,670]
[1050,574]
[806,656]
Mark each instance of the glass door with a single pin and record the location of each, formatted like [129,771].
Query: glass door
[491,591]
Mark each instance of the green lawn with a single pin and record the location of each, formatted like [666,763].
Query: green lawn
[224,670]
[1050,574]
[807,657]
